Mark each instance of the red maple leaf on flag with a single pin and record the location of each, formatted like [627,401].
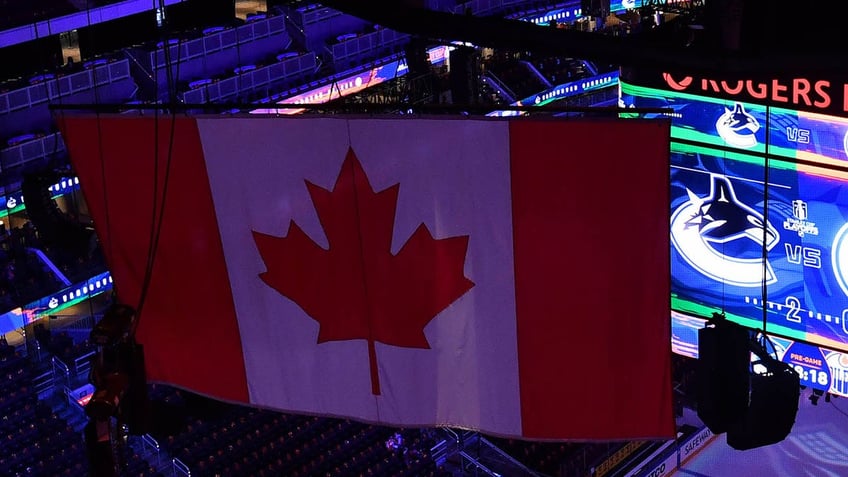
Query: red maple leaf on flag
[356,289]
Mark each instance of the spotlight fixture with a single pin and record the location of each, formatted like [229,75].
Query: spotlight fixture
[814,398]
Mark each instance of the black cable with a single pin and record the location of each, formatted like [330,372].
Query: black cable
[106,217]
[100,151]
[238,62]
[148,264]
[148,268]
[166,55]
[765,247]
[156,228]
[157,217]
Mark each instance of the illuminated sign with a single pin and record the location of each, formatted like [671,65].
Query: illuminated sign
[570,11]
[706,231]
[821,95]
[759,217]
[12,320]
[65,185]
[337,89]
[14,202]
[80,395]
[55,302]
[796,91]
[798,222]
[562,91]
[810,364]
[718,204]
[812,137]
[788,262]
[620,5]
[82,401]
[353,83]
[559,15]
[737,127]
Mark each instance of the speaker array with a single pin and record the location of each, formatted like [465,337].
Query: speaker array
[754,409]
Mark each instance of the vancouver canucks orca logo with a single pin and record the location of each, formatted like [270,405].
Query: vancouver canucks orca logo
[706,232]
[737,127]
[628,4]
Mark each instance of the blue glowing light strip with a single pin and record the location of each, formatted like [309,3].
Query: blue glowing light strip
[55,302]
[560,15]
[14,203]
[570,11]
[565,90]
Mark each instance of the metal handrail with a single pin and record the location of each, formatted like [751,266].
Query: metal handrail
[149,441]
[83,363]
[63,369]
[504,454]
[43,382]
[478,464]
[501,85]
[180,467]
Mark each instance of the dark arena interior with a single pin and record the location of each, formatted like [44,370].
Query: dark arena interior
[757,106]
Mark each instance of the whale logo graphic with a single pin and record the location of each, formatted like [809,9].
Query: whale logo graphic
[701,225]
[737,127]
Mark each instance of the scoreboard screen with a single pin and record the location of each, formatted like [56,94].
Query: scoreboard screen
[759,227]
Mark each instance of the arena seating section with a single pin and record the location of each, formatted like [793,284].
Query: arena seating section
[214,438]
[35,440]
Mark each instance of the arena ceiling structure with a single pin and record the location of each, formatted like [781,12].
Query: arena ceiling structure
[757,38]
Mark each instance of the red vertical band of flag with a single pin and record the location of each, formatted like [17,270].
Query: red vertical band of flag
[590,220]
[189,305]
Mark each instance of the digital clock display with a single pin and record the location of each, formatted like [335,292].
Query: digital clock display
[817,367]
[810,364]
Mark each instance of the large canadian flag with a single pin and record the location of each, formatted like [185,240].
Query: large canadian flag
[505,276]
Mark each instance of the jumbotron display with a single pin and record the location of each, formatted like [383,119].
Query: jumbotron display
[759,226]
